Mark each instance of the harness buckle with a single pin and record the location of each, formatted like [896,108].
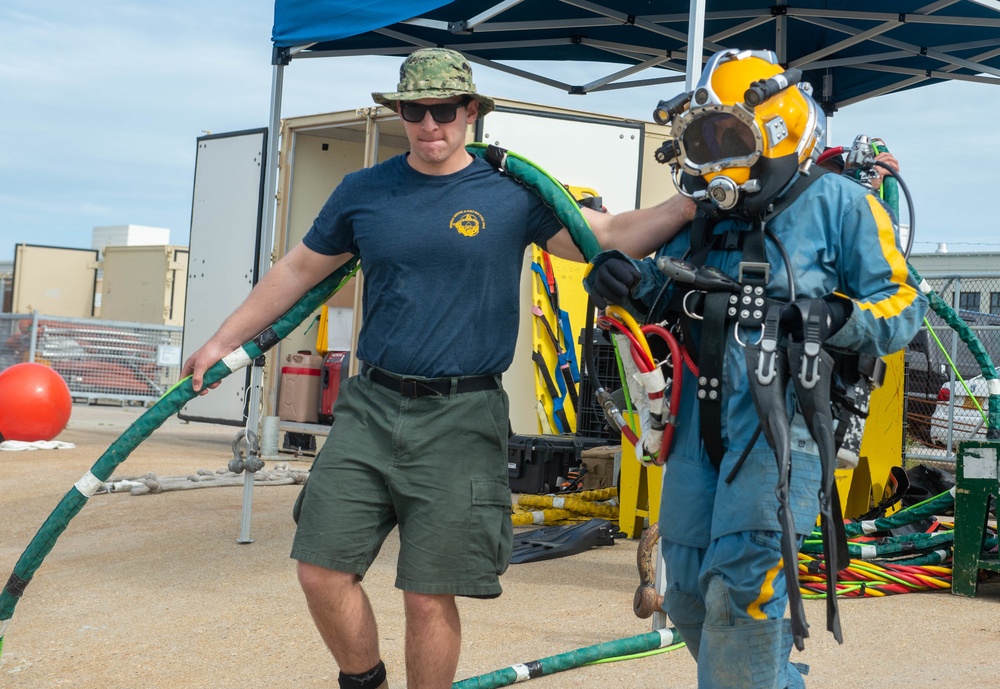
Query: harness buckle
[809,371]
[766,360]
[812,345]
[757,267]
[767,369]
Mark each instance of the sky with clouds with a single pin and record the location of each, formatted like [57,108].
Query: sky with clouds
[101,105]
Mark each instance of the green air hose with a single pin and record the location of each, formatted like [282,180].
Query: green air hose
[889,191]
[554,194]
[169,404]
[907,544]
[971,340]
[661,638]
[522,170]
[939,504]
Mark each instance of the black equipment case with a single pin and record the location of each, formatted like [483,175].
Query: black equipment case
[536,462]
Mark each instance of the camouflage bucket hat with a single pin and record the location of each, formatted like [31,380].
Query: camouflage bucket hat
[434,73]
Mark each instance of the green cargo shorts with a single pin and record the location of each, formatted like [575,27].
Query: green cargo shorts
[436,466]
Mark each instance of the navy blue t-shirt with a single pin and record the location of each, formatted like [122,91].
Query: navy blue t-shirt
[442,259]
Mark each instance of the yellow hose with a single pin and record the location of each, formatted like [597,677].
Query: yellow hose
[626,318]
[544,518]
[597,495]
[571,504]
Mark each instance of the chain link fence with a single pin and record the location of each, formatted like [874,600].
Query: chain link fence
[99,360]
[939,409]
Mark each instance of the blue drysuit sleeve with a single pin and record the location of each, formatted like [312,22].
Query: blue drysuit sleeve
[887,308]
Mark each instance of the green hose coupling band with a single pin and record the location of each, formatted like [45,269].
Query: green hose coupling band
[16,585]
[526,671]
[496,156]
[266,339]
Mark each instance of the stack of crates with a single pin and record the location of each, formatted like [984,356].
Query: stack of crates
[590,421]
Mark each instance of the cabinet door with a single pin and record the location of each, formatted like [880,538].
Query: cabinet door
[226,215]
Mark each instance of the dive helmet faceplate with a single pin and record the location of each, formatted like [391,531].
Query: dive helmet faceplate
[740,136]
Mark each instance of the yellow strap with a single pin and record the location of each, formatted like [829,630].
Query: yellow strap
[322,346]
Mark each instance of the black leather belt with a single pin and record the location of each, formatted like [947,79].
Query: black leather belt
[420,387]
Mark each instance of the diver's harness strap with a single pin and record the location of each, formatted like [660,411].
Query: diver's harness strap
[723,313]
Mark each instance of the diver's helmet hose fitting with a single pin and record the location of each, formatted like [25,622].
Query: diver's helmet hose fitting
[723,192]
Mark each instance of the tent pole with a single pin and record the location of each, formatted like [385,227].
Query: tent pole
[265,250]
[696,42]
[781,36]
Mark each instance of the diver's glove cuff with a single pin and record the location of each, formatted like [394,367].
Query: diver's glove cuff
[611,278]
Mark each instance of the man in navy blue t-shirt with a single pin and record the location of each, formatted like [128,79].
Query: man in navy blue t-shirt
[441,235]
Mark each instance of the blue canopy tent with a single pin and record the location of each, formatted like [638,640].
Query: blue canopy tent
[849,51]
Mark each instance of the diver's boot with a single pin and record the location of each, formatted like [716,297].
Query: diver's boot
[812,373]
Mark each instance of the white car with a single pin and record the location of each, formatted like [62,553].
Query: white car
[968,421]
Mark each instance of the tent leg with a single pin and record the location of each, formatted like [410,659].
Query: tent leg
[263,264]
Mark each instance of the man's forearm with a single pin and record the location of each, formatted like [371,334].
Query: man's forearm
[640,232]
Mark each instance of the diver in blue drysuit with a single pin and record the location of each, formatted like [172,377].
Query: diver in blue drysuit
[726,591]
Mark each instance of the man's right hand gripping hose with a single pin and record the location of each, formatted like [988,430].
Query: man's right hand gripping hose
[612,280]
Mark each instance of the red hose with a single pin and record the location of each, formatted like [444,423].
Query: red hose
[675,386]
[829,153]
[642,361]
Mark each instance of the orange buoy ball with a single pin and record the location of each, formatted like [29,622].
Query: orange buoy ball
[35,403]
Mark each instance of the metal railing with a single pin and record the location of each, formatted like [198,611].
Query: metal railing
[99,360]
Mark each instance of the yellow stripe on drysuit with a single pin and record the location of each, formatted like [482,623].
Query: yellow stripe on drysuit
[766,592]
[905,294]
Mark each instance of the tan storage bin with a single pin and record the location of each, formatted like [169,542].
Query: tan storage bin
[299,396]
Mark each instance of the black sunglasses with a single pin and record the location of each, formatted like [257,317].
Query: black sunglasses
[441,112]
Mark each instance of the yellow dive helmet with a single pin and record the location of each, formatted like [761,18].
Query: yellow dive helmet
[742,134]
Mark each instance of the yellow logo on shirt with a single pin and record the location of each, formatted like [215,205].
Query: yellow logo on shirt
[468,223]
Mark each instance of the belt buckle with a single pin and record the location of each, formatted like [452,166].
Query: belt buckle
[409,387]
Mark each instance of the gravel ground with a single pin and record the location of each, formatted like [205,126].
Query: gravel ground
[155,591]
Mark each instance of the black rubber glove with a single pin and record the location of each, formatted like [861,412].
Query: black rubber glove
[826,317]
[613,282]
